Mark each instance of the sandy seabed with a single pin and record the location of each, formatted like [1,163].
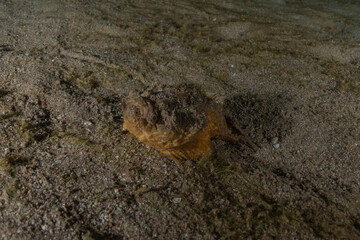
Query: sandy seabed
[288,72]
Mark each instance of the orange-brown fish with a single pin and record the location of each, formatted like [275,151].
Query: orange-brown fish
[179,121]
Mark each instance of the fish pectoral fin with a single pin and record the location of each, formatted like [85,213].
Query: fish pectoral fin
[176,155]
[233,133]
[248,142]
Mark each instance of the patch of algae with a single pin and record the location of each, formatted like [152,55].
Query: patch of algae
[31,133]
[345,76]
[10,191]
[348,85]
[74,138]
[9,163]
[5,166]
[8,168]
[82,79]
[87,236]
[221,76]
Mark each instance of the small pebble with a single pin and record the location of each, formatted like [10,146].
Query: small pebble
[88,123]
[275,142]
[176,200]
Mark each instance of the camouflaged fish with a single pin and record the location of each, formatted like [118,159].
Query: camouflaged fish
[179,121]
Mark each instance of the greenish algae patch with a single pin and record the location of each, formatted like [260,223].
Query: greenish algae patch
[81,79]
[5,166]
[349,85]
[72,137]
[32,133]
[10,191]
